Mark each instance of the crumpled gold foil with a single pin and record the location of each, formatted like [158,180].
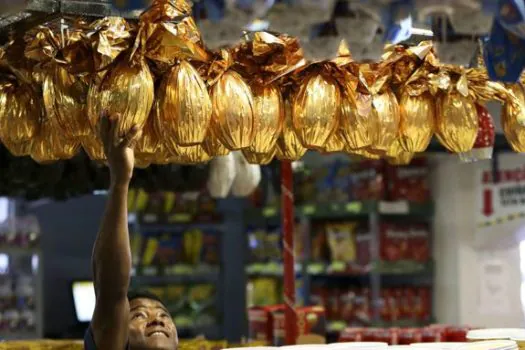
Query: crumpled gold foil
[267,57]
[20,112]
[65,99]
[417,122]
[185,106]
[397,155]
[289,147]
[126,91]
[316,110]
[18,149]
[354,121]
[213,146]
[92,145]
[513,130]
[64,94]
[456,121]
[363,152]
[233,119]
[50,145]
[149,143]
[335,143]
[269,116]
[190,155]
[259,158]
[171,33]
[383,121]
[108,37]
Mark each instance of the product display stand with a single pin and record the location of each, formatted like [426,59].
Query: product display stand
[288,221]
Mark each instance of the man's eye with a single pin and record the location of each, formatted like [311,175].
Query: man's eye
[139,315]
[164,315]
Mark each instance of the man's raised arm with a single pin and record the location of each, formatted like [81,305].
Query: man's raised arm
[112,253]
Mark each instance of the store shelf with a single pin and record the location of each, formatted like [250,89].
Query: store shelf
[19,251]
[177,274]
[345,210]
[180,227]
[344,270]
[18,335]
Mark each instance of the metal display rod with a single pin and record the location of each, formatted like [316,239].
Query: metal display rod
[288,222]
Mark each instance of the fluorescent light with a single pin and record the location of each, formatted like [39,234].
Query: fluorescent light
[423,32]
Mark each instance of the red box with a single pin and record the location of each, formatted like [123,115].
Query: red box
[433,334]
[311,326]
[408,336]
[409,182]
[260,319]
[394,242]
[419,243]
[351,334]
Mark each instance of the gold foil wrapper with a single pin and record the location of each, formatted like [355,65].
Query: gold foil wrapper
[18,149]
[171,33]
[149,143]
[50,145]
[20,112]
[108,37]
[233,117]
[289,147]
[513,130]
[354,121]
[335,143]
[190,155]
[93,147]
[384,120]
[269,118]
[364,153]
[417,123]
[456,121]
[397,155]
[65,99]
[316,110]
[185,106]
[259,158]
[213,146]
[125,91]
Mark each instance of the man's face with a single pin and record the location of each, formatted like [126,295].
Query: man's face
[150,326]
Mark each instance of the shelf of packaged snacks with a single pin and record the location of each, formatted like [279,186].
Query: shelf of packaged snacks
[345,210]
[18,335]
[339,326]
[342,269]
[176,274]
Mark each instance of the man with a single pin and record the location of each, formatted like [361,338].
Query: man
[121,321]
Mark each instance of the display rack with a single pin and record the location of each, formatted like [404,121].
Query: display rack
[223,277]
[376,275]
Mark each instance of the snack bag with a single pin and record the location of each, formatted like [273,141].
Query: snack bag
[419,245]
[410,182]
[341,238]
[394,242]
[368,180]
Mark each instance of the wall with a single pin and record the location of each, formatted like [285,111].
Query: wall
[459,252]
[69,229]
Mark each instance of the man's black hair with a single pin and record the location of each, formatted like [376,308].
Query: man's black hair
[144,294]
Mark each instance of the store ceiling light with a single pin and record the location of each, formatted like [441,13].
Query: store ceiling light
[422,32]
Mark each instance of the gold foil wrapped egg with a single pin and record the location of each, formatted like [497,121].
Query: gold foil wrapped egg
[384,120]
[417,124]
[363,152]
[65,99]
[316,110]
[18,149]
[514,132]
[269,117]
[213,146]
[191,154]
[93,147]
[149,143]
[233,118]
[354,122]
[289,147]
[185,105]
[456,121]
[125,91]
[259,158]
[335,143]
[51,145]
[20,113]
[397,155]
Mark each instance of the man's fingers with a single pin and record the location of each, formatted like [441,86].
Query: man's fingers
[132,137]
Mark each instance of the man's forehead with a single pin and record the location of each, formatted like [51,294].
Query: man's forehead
[146,303]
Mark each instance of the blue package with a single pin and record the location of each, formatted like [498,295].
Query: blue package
[504,54]
[397,19]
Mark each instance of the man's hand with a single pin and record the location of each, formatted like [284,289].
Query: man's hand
[118,149]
